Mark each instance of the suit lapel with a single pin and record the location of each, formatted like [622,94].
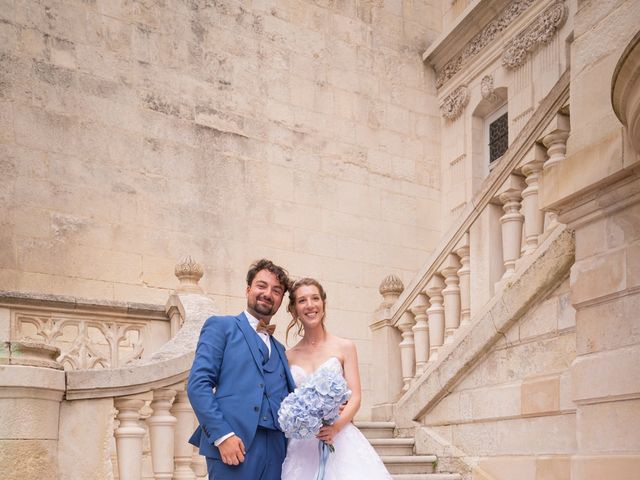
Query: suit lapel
[250,338]
[283,357]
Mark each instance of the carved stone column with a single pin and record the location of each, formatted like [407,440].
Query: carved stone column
[421,332]
[162,427]
[436,315]
[533,215]
[510,196]
[463,251]
[183,450]
[407,349]
[451,293]
[129,436]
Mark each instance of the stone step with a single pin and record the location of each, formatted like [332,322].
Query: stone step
[376,429]
[427,476]
[393,446]
[409,463]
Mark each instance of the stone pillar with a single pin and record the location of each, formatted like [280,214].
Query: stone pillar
[451,293]
[129,436]
[436,315]
[33,385]
[407,349]
[183,450]
[463,251]
[421,332]
[533,214]
[387,382]
[162,425]
[510,195]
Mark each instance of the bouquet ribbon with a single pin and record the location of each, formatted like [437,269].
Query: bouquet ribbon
[323,451]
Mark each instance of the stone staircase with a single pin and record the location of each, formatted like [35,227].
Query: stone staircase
[397,454]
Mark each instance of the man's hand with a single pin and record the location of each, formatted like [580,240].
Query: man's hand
[232,450]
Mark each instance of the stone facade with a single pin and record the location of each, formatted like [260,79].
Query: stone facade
[132,134]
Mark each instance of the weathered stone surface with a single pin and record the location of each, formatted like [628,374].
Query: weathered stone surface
[28,459]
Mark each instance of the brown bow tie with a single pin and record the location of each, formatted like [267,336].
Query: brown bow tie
[264,327]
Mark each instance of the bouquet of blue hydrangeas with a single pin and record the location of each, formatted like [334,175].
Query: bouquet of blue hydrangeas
[312,405]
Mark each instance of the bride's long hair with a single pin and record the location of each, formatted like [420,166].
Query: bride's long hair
[291,308]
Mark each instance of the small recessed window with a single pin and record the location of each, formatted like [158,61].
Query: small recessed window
[498,137]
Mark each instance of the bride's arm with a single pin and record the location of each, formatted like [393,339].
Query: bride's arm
[352,376]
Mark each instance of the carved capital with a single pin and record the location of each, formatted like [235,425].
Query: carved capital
[539,32]
[453,105]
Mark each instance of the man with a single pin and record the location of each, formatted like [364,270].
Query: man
[239,377]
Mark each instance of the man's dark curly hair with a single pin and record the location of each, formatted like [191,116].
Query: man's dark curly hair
[264,264]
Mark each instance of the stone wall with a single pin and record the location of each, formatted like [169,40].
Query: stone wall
[514,407]
[133,133]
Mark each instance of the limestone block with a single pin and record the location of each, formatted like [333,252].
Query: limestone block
[606,374]
[5,325]
[553,467]
[621,328]
[85,452]
[595,277]
[542,320]
[633,265]
[28,459]
[597,467]
[591,239]
[505,468]
[609,428]
[541,395]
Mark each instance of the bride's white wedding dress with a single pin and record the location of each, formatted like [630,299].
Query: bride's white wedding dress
[354,457]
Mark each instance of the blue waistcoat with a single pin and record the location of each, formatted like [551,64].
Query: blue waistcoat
[275,389]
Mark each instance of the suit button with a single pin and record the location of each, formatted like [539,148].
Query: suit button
[255,409]
[261,385]
[264,419]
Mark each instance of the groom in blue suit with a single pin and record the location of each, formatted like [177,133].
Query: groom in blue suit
[239,377]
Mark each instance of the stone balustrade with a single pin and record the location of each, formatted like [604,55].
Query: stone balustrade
[441,301]
[112,418]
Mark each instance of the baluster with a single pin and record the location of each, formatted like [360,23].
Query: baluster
[129,437]
[464,275]
[407,349]
[511,221]
[556,140]
[421,332]
[451,294]
[436,315]
[161,433]
[533,216]
[184,428]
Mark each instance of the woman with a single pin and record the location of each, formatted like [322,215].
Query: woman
[354,457]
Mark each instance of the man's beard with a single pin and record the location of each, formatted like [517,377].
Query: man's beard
[263,308]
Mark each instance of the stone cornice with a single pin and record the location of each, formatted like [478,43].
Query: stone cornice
[493,28]
[539,32]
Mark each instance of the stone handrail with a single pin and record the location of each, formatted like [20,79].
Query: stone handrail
[418,325]
[533,131]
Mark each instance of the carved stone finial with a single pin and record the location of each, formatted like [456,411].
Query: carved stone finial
[453,104]
[540,31]
[390,289]
[189,272]
[487,90]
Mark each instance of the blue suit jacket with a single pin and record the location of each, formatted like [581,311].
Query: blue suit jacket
[226,383]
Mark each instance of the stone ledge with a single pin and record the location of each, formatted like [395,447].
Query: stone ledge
[548,266]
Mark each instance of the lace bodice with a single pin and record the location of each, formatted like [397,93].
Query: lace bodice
[300,375]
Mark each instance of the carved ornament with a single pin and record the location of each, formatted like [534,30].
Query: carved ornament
[487,90]
[453,105]
[539,32]
[482,39]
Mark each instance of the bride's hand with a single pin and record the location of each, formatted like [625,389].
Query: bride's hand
[328,433]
